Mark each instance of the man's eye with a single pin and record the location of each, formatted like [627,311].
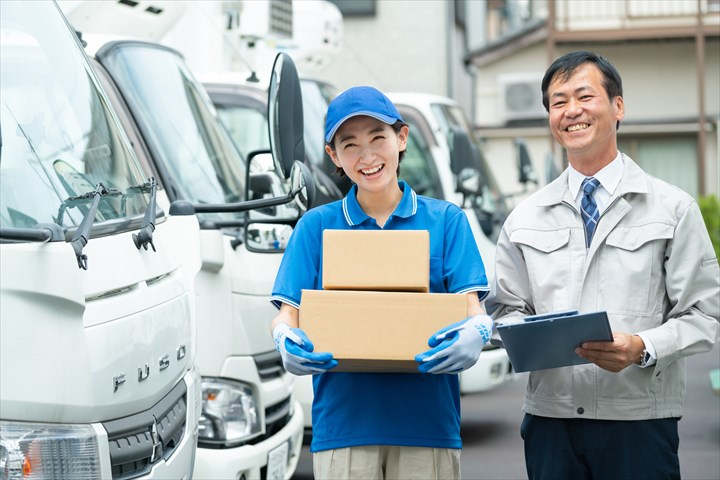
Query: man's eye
[558,104]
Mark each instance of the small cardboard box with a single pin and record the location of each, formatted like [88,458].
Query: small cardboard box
[380,260]
[376,331]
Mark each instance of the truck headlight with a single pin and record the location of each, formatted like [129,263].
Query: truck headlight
[46,450]
[229,413]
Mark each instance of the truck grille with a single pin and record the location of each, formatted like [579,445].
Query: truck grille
[139,441]
[269,365]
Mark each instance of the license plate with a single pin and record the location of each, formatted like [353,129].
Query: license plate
[277,462]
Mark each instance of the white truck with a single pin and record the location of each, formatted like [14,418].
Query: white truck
[97,325]
[250,427]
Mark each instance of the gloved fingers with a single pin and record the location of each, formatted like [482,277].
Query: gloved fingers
[325,366]
[299,337]
[441,365]
[435,352]
[308,357]
[444,332]
[438,338]
[298,368]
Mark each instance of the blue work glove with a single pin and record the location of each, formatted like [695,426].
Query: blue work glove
[456,347]
[296,351]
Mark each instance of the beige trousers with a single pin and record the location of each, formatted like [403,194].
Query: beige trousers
[382,462]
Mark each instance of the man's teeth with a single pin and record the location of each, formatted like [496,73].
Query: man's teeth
[575,128]
[372,170]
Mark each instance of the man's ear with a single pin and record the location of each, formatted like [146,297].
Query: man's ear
[619,105]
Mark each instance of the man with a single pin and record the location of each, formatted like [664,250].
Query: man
[605,236]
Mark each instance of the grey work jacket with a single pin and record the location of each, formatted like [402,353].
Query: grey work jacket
[651,266]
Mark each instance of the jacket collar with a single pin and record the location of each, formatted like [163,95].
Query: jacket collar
[354,214]
[633,181]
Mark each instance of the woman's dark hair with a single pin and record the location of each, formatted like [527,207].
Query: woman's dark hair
[397,126]
[564,67]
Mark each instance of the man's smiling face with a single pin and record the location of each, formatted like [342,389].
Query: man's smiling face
[582,117]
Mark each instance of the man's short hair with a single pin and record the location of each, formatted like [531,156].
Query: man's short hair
[564,67]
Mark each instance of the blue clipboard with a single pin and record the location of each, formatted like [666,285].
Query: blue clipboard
[550,340]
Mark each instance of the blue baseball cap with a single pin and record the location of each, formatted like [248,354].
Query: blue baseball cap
[359,101]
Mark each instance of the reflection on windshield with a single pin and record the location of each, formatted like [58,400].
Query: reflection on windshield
[180,124]
[59,138]
[247,127]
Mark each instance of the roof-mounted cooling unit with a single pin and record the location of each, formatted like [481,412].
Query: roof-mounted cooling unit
[520,96]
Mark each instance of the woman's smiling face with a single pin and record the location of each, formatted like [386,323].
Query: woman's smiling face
[368,151]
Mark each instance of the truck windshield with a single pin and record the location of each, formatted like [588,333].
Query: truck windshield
[179,123]
[60,139]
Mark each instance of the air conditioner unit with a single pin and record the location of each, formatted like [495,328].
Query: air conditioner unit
[520,96]
[271,19]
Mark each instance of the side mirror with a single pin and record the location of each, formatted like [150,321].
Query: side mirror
[267,237]
[526,173]
[285,115]
[302,185]
[469,181]
[261,236]
[465,163]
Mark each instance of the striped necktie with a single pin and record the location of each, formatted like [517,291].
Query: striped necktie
[589,210]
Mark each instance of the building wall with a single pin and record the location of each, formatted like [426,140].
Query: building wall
[402,48]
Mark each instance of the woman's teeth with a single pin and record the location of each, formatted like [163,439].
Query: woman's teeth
[370,171]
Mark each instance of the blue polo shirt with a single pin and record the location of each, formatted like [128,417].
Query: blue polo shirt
[410,409]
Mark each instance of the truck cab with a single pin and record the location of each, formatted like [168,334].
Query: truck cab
[250,426]
[97,330]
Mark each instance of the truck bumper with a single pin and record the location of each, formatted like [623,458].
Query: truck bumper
[248,461]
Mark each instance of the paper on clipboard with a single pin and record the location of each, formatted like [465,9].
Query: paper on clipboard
[550,340]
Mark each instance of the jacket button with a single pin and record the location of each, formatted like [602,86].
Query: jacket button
[581,410]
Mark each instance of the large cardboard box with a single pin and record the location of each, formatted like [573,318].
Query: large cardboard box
[381,260]
[376,331]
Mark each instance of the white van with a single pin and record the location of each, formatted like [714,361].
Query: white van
[251,426]
[97,326]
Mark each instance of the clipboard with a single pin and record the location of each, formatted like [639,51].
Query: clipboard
[549,340]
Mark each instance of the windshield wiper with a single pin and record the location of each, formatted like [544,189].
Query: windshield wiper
[80,238]
[144,237]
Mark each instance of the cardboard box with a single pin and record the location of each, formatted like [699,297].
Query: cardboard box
[380,260]
[376,331]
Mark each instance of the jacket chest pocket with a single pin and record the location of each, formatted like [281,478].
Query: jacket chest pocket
[631,268]
[548,264]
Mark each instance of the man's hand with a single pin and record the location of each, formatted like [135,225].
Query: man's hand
[624,350]
[296,351]
[457,347]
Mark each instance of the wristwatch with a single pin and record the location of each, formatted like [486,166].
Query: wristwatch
[644,357]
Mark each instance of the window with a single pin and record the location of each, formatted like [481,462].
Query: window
[673,159]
